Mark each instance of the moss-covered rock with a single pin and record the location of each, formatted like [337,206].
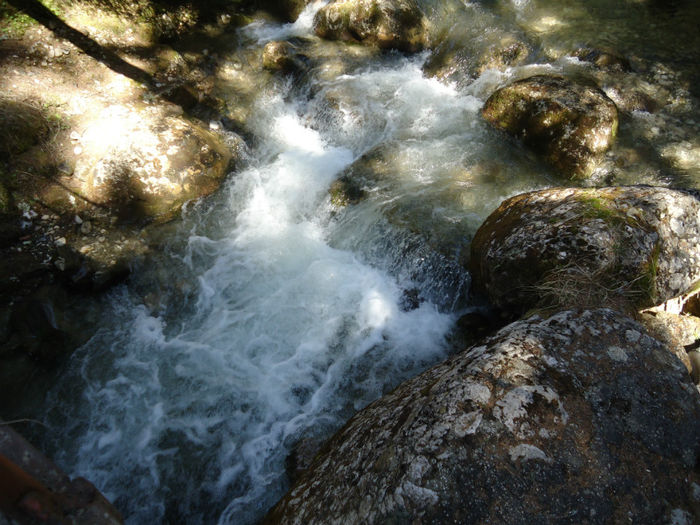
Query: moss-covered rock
[631,247]
[570,125]
[390,24]
[581,417]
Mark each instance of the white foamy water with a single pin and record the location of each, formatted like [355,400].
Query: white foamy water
[188,416]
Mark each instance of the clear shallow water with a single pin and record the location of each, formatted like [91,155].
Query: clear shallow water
[269,314]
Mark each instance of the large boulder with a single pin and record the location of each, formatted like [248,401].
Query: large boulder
[635,246]
[391,24]
[570,125]
[580,418]
[144,167]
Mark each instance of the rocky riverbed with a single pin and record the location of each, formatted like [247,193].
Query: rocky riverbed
[224,232]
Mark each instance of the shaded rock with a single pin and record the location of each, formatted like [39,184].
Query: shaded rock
[345,191]
[694,357]
[580,417]
[635,246]
[34,490]
[34,328]
[570,125]
[151,168]
[302,455]
[288,9]
[23,126]
[603,59]
[390,24]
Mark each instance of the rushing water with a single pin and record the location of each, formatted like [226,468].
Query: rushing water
[272,315]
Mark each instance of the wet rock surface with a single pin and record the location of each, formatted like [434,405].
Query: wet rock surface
[391,24]
[633,245]
[581,417]
[570,125]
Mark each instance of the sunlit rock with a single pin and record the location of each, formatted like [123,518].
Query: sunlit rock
[280,56]
[394,24]
[582,414]
[146,167]
[630,246]
[570,125]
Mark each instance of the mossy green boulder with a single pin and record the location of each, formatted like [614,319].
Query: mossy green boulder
[628,247]
[388,24]
[569,125]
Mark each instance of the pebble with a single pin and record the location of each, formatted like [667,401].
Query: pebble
[78,220]
[61,241]
[78,150]
[86,228]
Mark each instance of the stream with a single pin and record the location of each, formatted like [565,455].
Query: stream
[271,315]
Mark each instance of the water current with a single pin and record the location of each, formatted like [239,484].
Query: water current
[271,314]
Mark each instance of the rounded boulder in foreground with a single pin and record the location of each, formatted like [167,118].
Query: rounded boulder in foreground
[570,125]
[633,245]
[580,418]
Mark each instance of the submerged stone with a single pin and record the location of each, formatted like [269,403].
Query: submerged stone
[570,125]
[633,246]
[391,24]
[581,415]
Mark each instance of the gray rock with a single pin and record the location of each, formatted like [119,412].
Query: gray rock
[393,24]
[570,125]
[635,246]
[580,418]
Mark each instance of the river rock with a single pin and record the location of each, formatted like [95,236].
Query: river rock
[390,24]
[34,490]
[570,125]
[634,245]
[151,167]
[448,60]
[603,59]
[280,56]
[581,417]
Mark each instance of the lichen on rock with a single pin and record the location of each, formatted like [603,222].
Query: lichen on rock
[633,247]
[543,419]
